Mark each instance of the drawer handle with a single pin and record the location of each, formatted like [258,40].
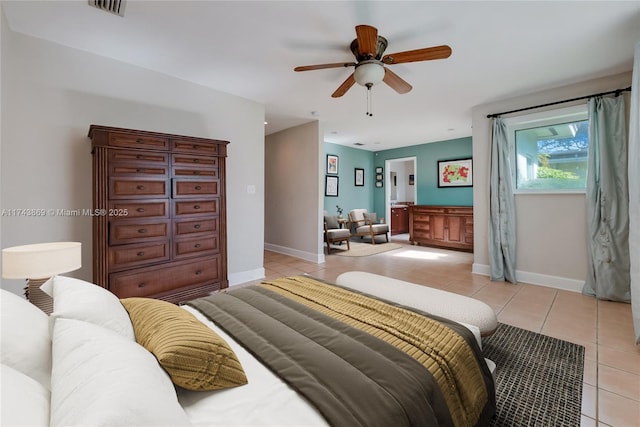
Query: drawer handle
[196,172]
[196,207]
[197,226]
[142,230]
[199,272]
[139,170]
[197,245]
[140,253]
[196,160]
[138,156]
[198,187]
[195,147]
[142,285]
[140,187]
[139,140]
[140,210]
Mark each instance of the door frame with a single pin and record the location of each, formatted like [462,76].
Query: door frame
[387,184]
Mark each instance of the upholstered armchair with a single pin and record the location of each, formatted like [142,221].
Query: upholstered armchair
[363,223]
[334,234]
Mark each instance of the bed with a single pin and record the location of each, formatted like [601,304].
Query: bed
[220,360]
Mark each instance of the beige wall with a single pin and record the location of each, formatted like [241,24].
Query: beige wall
[51,94]
[293,188]
[550,229]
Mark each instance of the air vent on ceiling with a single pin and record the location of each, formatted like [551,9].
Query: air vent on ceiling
[113,6]
[358,143]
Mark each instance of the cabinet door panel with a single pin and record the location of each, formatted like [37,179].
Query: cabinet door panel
[454,227]
[437,227]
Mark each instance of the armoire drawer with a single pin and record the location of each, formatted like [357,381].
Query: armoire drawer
[196,207]
[127,256]
[144,209]
[138,156]
[186,171]
[121,232]
[138,141]
[194,147]
[191,160]
[126,188]
[194,247]
[161,279]
[190,227]
[194,188]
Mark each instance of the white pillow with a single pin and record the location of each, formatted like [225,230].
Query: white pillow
[100,378]
[77,299]
[25,402]
[26,343]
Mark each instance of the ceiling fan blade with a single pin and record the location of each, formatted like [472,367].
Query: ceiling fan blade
[426,54]
[323,66]
[367,40]
[344,87]
[396,82]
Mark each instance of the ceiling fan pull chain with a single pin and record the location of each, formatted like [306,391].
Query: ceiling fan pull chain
[369,113]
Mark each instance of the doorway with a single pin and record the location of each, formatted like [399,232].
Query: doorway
[401,185]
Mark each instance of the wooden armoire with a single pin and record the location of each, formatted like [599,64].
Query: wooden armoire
[159,214]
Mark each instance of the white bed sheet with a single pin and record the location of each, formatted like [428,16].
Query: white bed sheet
[264,401]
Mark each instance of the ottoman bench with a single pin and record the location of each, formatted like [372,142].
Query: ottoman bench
[459,308]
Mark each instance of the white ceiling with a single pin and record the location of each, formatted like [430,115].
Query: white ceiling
[500,50]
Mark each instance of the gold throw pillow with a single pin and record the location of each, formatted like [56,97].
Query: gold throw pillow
[195,357]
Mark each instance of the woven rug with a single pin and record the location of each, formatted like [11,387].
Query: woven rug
[538,378]
[363,249]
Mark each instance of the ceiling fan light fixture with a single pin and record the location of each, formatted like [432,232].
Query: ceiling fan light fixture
[369,73]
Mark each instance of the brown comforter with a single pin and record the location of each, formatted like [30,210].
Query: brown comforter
[359,360]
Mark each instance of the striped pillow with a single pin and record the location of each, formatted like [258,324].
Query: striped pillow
[195,357]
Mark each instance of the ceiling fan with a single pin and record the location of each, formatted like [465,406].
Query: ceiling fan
[368,48]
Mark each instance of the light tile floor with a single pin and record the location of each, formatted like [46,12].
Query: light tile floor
[611,392]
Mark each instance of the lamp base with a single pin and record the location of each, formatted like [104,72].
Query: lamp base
[38,297]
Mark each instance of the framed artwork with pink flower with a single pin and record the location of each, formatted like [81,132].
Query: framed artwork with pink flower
[455,173]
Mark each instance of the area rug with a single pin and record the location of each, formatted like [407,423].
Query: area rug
[363,249]
[538,378]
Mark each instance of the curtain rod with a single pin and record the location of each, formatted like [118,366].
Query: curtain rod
[617,92]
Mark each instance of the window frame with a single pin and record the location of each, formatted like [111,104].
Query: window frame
[544,118]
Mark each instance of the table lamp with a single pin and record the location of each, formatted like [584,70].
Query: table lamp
[37,263]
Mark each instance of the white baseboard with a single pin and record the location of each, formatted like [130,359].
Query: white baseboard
[246,276]
[307,256]
[555,282]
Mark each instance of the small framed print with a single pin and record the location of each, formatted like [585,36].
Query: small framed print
[332,164]
[378,170]
[378,184]
[331,186]
[379,177]
[455,173]
[359,177]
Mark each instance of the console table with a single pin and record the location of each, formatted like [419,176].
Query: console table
[448,227]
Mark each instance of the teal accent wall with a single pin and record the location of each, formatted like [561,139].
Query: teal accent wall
[349,196]
[372,198]
[427,157]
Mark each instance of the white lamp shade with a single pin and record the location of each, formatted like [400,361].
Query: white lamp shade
[41,260]
[369,73]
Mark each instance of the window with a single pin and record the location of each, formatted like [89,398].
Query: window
[551,150]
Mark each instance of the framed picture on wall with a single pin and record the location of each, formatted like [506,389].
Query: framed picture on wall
[378,170]
[359,177]
[332,164]
[331,186]
[378,184]
[411,179]
[455,173]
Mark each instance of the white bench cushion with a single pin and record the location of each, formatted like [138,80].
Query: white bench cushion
[456,307]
